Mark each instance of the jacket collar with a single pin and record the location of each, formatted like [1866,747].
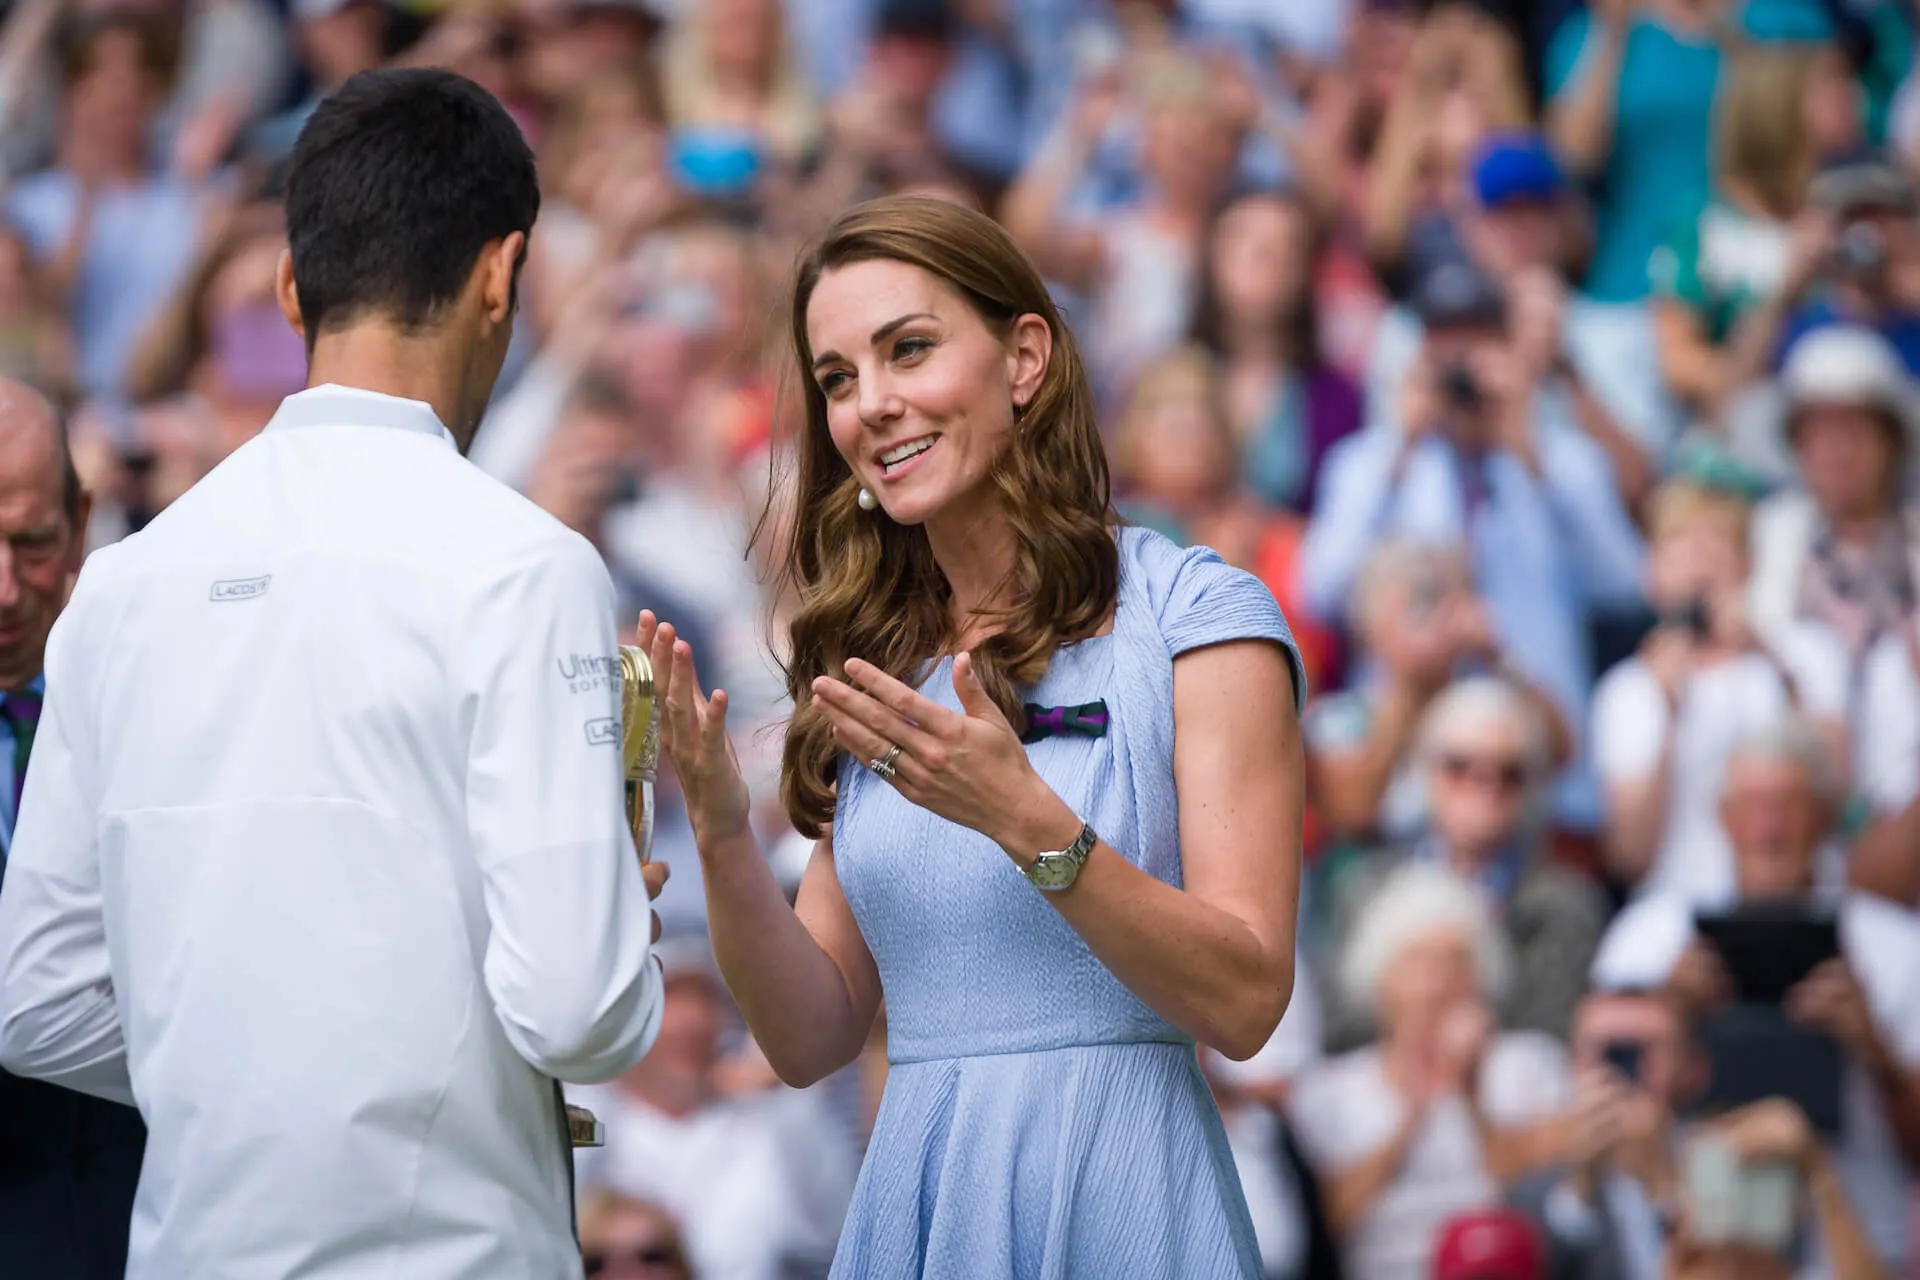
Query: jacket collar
[332,405]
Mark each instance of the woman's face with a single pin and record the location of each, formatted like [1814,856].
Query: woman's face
[1180,451]
[919,391]
[1430,975]
[1188,152]
[114,99]
[1477,787]
[743,35]
[1702,557]
[1259,260]
[1847,459]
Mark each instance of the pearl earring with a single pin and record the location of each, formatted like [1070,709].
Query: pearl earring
[867,501]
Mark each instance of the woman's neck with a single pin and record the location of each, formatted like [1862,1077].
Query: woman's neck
[975,550]
[95,165]
[1252,344]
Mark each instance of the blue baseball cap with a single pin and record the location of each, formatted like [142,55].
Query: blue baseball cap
[1512,167]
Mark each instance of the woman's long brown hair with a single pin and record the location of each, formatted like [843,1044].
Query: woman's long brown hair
[866,587]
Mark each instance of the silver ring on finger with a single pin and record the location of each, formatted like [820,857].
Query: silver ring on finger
[884,766]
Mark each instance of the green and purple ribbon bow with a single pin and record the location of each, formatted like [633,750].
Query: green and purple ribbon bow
[1088,720]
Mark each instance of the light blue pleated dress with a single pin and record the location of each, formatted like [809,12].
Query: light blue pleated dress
[1039,1121]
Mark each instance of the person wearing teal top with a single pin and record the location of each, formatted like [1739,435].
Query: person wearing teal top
[1630,105]
[1630,89]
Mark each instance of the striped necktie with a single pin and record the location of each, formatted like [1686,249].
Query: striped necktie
[22,711]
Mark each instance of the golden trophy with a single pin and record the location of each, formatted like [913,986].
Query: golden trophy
[640,756]
[640,743]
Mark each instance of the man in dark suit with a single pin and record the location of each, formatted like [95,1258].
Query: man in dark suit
[68,1162]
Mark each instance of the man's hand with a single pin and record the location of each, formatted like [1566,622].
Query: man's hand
[1597,1120]
[1772,1130]
[1465,1031]
[1809,246]
[1830,1000]
[1536,307]
[655,874]
[1699,979]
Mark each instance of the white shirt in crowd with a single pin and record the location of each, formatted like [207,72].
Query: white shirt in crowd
[759,1183]
[323,863]
[1882,943]
[1720,705]
[1345,1110]
[1887,740]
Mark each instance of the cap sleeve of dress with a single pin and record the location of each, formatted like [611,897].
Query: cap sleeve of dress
[1208,601]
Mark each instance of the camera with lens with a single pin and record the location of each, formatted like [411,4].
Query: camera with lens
[1859,193]
[1459,388]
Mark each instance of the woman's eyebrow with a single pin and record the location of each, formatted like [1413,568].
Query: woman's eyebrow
[879,336]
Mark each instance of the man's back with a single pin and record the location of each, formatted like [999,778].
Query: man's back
[348,728]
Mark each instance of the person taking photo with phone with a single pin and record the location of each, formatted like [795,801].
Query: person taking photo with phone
[1777,805]
[1665,719]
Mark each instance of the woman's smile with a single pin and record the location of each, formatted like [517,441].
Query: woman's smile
[897,460]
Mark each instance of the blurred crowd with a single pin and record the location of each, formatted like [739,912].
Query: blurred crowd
[1553,363]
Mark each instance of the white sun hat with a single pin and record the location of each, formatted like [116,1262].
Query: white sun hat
[1847,365]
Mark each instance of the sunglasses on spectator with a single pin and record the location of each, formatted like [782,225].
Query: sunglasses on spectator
[1507,776]
[599,1261]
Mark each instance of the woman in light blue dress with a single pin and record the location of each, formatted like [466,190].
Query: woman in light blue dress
[1054,768]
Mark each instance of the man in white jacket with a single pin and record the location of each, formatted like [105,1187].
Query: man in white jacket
[322,861]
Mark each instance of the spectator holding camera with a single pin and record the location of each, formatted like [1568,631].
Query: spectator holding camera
[1777,804]
[1417,624]
[1635,1067]
[1869,272]
[1772,1137]
[1532,504]
[1665,720]
[1484,763]
[1529,230]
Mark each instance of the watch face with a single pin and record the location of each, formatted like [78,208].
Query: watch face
[1054,870]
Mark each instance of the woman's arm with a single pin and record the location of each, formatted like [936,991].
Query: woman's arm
[801,975]
[1031,208]
[1393,179]
[1215,958]
[1580,121]
[1634,473]
[1694,368]
[1850,1254]
[1351,784]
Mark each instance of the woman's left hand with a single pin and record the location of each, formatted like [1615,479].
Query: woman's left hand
[966,766]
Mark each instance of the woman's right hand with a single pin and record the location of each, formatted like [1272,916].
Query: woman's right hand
[693,736]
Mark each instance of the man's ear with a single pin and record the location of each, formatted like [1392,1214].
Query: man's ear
[499,266]
[287,294]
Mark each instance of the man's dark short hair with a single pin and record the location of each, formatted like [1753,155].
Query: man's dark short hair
[398,182]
